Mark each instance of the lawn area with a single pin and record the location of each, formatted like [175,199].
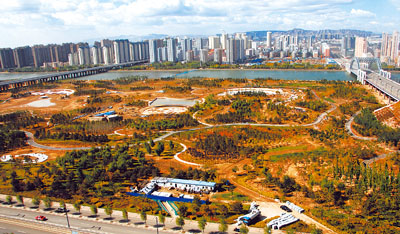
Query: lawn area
[296,147]
[235,196]
[329,100]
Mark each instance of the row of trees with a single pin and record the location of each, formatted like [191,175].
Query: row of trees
[179,89]
[368,125]
[315,105]
[90,127]
[375,190]
[129,79]
[242,113]
[96,172]
[140,88]
[20,119]
[88,92]
[43,134]
[11,139]
[178,121]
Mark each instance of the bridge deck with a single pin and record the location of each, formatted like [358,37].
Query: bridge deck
[60,74]
[385,85]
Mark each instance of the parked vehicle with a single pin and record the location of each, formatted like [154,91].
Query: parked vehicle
[285,208]
[61,210]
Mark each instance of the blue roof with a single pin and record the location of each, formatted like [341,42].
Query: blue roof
[193,182]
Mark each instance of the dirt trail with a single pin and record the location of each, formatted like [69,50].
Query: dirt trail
[256,196]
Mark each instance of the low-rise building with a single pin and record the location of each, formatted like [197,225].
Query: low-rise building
[185,185]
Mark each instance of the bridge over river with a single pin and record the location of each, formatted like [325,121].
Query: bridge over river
[14,84]
[369,72]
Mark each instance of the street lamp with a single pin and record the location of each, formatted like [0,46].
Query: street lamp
[66,214]
[157,224]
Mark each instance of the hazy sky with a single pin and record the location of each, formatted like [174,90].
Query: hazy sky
[28,22]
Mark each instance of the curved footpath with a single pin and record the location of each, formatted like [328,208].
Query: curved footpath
[318,120]
[31,142]
[352,133]
[372,160]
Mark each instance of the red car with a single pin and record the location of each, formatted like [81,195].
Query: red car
[41,218]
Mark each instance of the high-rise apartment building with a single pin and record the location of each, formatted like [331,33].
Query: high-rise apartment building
[218,55]
[390,48]
[269,39]
[153,51]
[361,47]
[7,58]
[213,42]
[23,57]
[224,39]
[233,50]
[171,45]
[203,55]
[121,48]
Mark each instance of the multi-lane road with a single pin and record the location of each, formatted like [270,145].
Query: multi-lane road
[14,220]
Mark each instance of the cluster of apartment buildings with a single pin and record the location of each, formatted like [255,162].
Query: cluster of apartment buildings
[221,48]
[386,48]
[103,52]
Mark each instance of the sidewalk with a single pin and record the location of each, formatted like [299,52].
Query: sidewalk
[134,218]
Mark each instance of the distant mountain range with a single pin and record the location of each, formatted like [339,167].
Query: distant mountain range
[303,32]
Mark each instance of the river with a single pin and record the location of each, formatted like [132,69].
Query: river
[251,74]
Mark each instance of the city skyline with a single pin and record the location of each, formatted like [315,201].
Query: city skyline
[44,22]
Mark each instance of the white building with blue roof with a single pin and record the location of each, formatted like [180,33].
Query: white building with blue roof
[186,185]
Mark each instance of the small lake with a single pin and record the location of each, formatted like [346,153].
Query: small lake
[172,102]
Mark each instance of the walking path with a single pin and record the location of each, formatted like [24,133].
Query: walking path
[31,142]
[352,133]
[86,222]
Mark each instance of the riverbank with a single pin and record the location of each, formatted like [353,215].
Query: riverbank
[226,69]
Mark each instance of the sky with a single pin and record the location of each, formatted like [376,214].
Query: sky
[29,22]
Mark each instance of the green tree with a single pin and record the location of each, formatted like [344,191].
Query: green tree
[47,203]
[223,226]
[316,231]
[8,199]
[147,147]
[152,144]
[20,199]
[202,224]
[267,230]
[35,201]
[183,210]
[244,229]
[143,217]
[160,148]
[235,169]
[125,214]
[93,209]
[61,204]
[236,207]
[171,145]
[77,206]
[108,209]
[161,217]
[180,221]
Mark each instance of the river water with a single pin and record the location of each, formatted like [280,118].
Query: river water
[250,74]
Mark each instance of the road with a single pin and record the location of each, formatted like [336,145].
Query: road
[10,226]
[57,223]
[23,218]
